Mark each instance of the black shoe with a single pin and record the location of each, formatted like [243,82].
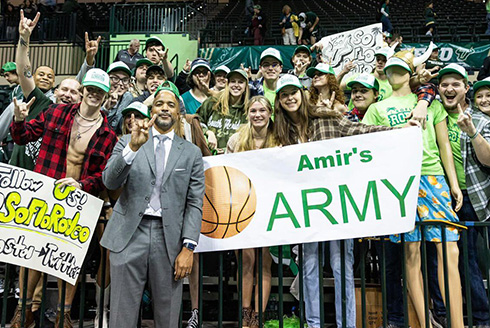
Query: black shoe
[437,321]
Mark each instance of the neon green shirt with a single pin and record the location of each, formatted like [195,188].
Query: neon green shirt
[269,94]
[393,112]
[454,133]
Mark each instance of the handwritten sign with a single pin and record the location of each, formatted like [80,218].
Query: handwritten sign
[358,45]
[43,226]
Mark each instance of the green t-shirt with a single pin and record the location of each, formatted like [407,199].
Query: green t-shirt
[223,126]
[454,133]
[191,104]
[393,112]
[269,94]
[385,89]
[25,156]
[386,8]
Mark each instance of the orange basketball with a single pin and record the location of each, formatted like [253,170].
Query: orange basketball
[229,202]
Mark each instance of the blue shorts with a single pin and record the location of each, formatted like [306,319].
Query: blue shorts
[434,203]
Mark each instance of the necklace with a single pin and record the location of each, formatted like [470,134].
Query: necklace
[79,133]
[88,119]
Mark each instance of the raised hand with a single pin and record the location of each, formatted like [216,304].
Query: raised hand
[140,132]
[328,103]
[317,46]
[21,109]
[111,101]
[187,65]
[349,66]
[91,47]
[248,70]
[163,54]
[26,26]
[425,75]
[465,122]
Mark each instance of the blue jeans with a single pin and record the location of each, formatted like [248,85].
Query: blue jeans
[479,299]
[311,282]
[394,291]
[387,27]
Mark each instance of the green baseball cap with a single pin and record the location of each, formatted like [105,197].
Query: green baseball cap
[154,39]
[394,61]
[322,67]
[97,78]
[167,85]
[8,67]
[137,107]
[238,71]
[287,80]
[302,48]
[258,7]
[480,84]
[271,52]
[119,66]
[142,61]
[453,68]
[367,80]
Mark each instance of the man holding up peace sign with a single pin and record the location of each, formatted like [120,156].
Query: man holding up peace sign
[156,221]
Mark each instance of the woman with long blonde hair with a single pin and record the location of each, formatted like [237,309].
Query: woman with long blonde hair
[257,133]
[221,116]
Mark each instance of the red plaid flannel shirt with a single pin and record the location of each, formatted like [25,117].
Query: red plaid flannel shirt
[54,126]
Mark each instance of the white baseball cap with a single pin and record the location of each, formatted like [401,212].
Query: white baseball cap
[394,61]
[97,78]
[453,68]
[222,68]
[367,80]
[271,52]
[287,80]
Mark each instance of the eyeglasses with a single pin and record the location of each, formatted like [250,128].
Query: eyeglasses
[116,80]
[267,65]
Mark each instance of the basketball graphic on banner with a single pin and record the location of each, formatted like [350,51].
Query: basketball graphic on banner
[229,202]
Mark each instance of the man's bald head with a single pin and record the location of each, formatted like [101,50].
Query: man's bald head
[68,92]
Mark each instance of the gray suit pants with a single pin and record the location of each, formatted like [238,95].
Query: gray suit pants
[145,257]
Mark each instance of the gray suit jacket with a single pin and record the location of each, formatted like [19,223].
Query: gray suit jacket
[181,195]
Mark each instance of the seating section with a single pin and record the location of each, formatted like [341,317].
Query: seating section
[457,20]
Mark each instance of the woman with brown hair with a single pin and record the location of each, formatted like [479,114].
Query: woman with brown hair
[257,133]
[297,120]
[324,88]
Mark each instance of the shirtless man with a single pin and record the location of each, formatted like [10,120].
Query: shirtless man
[80,136]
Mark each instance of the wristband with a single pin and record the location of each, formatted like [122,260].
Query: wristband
[474,136]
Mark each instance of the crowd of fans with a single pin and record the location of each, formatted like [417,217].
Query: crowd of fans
[69,131]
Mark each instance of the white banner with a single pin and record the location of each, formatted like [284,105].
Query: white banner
[359,186]
[358,45]
[42,226]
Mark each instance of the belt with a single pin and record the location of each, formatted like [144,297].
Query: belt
[151,217]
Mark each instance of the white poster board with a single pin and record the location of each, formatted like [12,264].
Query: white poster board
[358,45]
[358,186]
[42,226]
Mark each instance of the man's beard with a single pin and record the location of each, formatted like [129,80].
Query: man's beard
[165,126]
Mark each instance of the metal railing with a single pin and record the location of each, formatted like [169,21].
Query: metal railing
[156,18]
[55,27]
[221,285]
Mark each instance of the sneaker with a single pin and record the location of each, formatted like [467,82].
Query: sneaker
[392,325]
[16,320]
[437,321]
[193,321]
[246,316]
[254,320]
[66,320]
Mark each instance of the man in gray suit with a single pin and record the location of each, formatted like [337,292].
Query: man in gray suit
[156,222]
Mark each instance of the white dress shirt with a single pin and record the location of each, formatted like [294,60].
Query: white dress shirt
[129,155]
